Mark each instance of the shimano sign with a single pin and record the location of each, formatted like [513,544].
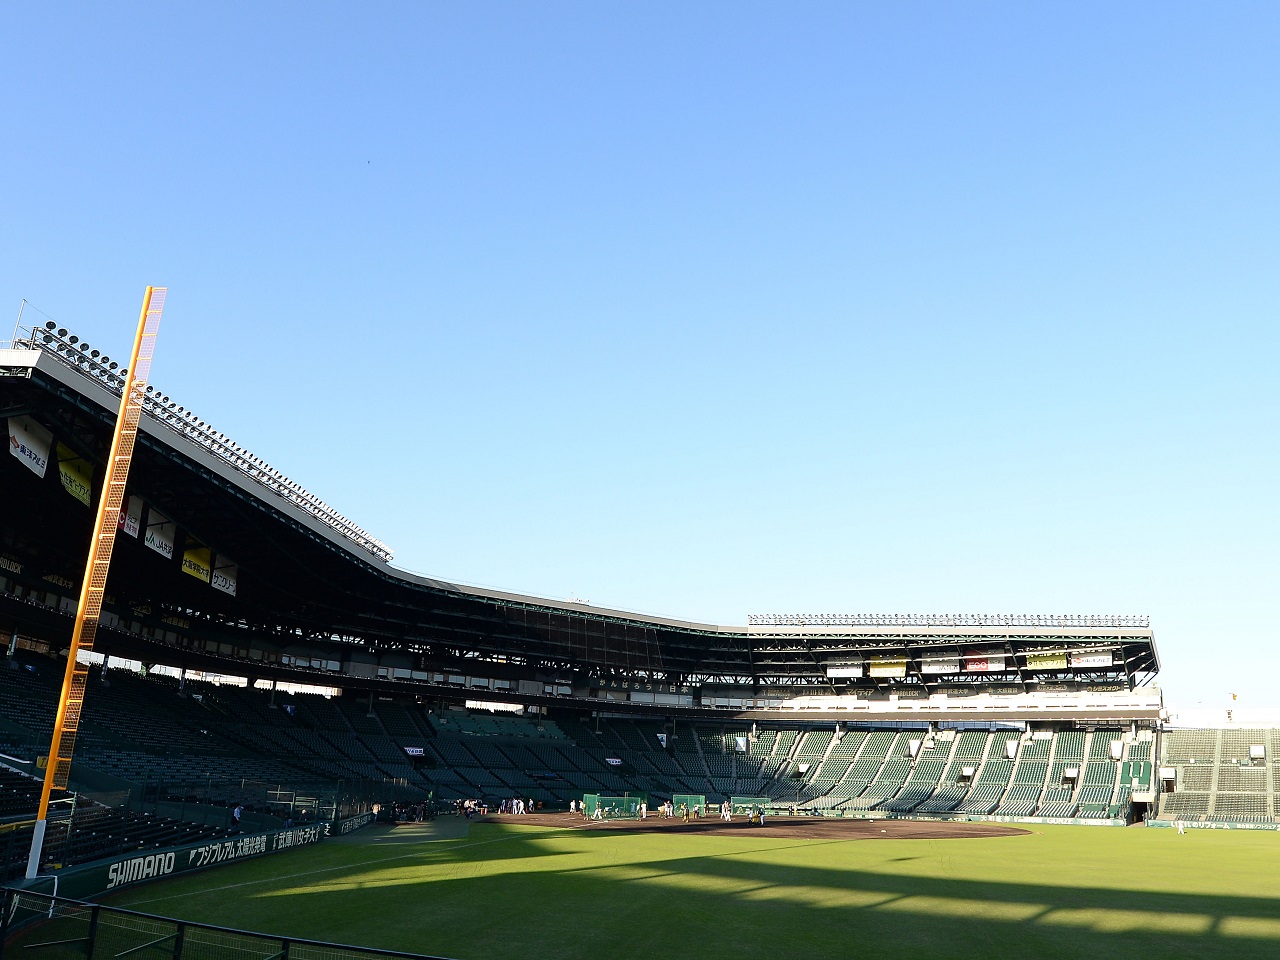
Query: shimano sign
[139,868]
[93,879]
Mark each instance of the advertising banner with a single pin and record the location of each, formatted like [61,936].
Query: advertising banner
[1046,661]
[130,521]
[989,660]
[94,879]
[77,474]
[30,443]
[161,532]
[197,561]
[1091,659]
[888,667]
[224,576]
[355,823]
[930,664]
[845,670]
[740,744]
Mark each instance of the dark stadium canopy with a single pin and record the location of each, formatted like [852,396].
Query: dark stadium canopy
[314,594]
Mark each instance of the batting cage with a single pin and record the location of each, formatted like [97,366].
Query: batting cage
[597,807]
[696,803]
[745,805]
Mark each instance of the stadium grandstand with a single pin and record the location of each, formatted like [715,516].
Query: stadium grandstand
[359,683]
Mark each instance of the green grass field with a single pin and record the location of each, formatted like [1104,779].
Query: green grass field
[529,893]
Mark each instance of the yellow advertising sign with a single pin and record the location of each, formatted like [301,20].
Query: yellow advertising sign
[888,667]
[198,562]
[1046,661]
[77,474]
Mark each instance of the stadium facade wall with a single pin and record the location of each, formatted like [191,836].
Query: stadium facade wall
[93,880]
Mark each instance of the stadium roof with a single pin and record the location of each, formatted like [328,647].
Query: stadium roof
[306,578]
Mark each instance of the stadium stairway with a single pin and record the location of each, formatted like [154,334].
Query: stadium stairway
[967,749]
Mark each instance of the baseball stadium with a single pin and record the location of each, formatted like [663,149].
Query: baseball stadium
[287,746]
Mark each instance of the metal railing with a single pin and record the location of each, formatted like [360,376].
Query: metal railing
[41,926]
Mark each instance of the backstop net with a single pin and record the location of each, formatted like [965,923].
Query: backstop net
[744,805]
[597,807]
[696,802]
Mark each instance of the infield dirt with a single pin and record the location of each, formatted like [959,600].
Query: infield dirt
[799,828]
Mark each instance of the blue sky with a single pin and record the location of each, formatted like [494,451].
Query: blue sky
[705,310]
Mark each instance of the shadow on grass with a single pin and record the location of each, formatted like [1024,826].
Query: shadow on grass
[723,906]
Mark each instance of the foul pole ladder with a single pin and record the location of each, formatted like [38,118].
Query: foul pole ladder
[71,702]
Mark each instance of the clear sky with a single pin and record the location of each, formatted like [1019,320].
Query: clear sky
[705,309]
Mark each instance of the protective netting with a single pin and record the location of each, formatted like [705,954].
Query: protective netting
[597,807]
[695,803]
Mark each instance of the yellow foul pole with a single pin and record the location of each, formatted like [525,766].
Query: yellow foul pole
[71,703]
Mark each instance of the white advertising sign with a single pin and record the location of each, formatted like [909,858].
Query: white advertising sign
[224,576]
[131,516]
[161,532]
[30,443]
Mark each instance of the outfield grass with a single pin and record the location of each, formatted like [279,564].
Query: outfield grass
[528,893]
